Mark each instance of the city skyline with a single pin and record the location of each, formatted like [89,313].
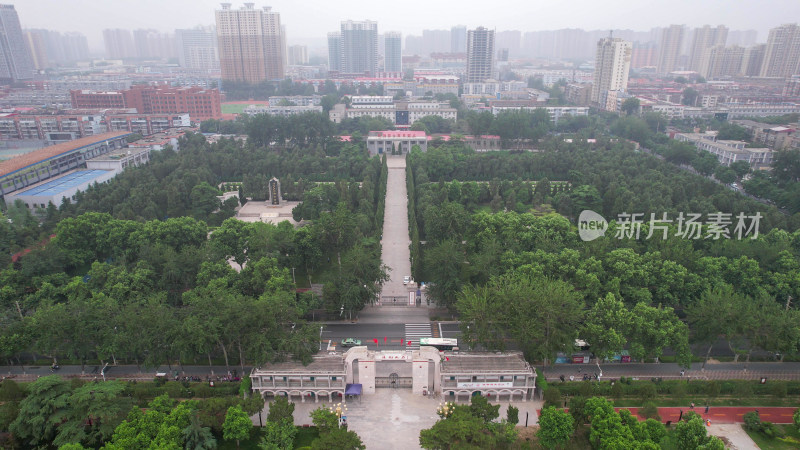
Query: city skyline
[304,25]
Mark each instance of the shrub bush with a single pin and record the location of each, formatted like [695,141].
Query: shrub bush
[772,430]
[512,415]
[779,389]
[678,390]
[752,421]
[649,411]
[585,389]
[712,389]
[552,397]
[646,391]
[616,390]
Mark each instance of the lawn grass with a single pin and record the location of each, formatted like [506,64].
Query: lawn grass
[252,443]
[233,108]
[765,442]
[305,436]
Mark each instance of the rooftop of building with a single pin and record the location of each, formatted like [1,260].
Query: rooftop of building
[484,362]
[66,182]
[119,153]
[321,364]
[38,156]
[398,134]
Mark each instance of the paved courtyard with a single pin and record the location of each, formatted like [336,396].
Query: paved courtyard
[391,419]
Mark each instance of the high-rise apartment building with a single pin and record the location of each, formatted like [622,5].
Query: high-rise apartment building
[335,51]
[392,54]
[359,42]
[458,39]
[643,55]
[16,62]
[704,38]
[782,56]
[250,43]
[721,61]
[611,66]
[154,44]
[753,59]
[197,48]
[37,43]
[480,55]
[742,38]
[119,44]
[509,39]
[298,55]
[669,50]
[435,41]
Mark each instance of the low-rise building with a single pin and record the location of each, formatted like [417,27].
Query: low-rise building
[380,142]
[555,112]
[456,376]
[728,151]
[40,165]
[278,110]
[119,159]
[771,136]
[400,113]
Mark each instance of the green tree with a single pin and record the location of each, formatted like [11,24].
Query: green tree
[690,96]
[692,434]
[35,424]
[555,427]
[198,437]
[278,435]
[725,174]
[324,419]
[512,415]
[281,409]
[338,439]
[630,105]
[99,405]
[237,425]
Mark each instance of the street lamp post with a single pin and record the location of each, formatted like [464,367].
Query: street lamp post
[340,409]
[320,338]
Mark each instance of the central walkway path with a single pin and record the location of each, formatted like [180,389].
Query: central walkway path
[396,254]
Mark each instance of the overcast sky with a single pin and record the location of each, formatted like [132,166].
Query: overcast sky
[310,19]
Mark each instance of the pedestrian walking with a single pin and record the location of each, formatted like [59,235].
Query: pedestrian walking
[692,406]
[680,417]
[706,409]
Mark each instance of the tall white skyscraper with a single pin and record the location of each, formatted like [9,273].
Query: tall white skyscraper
[458,39]
[704,38]
[611,66]
[16,62]
[480,55]
[298,55]
[359,42]
[782,56]
[197,48]
[250,44]
[669,49]
[720,61]
[119,44]
[393,57]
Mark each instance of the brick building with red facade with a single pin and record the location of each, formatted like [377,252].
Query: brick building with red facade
[200,103]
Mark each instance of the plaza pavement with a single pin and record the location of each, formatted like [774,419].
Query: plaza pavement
[391,419]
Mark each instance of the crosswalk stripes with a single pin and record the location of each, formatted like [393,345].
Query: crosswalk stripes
[415,331]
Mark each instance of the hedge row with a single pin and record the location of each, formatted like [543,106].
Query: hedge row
[141,391]
[651,388]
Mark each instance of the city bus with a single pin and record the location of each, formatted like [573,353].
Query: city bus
[439,343]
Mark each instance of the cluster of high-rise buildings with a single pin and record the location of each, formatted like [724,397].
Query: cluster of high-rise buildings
[711,54]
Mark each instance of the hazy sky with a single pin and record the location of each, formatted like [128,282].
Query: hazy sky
[306,19]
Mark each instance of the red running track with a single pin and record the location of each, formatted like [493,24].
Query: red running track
[722,414]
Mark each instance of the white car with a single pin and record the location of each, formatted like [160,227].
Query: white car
[406,279]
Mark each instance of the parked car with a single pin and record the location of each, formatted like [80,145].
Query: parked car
[351,342]
[406,279]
